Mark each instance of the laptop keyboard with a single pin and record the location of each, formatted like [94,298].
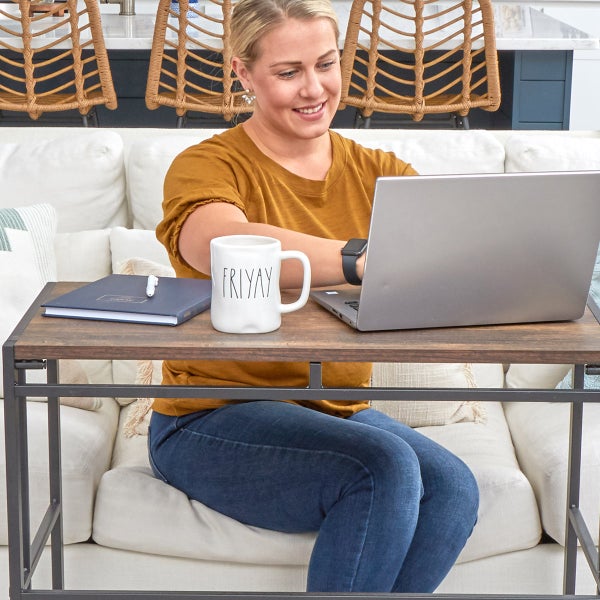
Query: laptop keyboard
[352,304]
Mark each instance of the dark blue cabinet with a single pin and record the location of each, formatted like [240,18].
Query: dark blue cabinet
[540,84]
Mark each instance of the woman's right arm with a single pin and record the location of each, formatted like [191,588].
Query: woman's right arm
[221,218]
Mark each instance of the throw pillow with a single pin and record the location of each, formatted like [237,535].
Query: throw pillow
[141,243]
[146,371]
[595,287]
[412,413]
[139,412]
[27,261]
[420,413]
[534,376]
[125,371]
[144,266]
[71,371]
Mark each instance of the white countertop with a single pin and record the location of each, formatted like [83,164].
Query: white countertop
[518,27]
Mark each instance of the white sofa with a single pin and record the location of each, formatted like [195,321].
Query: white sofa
[124,529]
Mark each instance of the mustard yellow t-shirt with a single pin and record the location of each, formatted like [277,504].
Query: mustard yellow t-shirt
[230,168]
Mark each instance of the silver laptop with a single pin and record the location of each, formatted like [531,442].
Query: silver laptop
[455,250]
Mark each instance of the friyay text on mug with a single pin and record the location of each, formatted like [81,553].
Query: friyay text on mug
[246,283]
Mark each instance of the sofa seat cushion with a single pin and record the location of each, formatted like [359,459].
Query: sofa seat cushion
[508,517]
[136,511]
[540,434]
[87,438]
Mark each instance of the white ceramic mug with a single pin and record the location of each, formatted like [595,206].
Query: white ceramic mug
[245,283]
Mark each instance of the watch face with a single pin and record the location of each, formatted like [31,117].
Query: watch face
[355,247]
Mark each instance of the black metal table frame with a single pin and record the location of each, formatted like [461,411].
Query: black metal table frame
[24,553]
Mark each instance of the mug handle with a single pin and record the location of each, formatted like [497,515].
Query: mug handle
[285,254]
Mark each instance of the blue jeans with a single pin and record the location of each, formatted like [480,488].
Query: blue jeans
[392,508]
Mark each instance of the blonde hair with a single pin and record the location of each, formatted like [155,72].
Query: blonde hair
[252,19]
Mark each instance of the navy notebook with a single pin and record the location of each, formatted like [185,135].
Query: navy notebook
[123,298]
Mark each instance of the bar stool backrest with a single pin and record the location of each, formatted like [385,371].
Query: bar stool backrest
[419,57]
[190,61]
[54,60]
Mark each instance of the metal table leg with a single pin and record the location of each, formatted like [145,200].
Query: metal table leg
[17,485]
[576,528]
[23,553]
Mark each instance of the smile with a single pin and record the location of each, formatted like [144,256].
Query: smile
[311,110]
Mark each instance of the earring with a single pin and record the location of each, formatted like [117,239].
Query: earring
[248,97]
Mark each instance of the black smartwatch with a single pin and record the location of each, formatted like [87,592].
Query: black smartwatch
[351,252]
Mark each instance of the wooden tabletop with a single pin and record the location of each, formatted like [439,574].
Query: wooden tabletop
[310,334]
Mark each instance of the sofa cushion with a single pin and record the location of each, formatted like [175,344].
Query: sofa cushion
[420,413]
[595,286]
[540,152]
[131,505]
[81,175]
[147,165]
[27,262]
[83,255]
[508,517]
[416,413]
[540,432]
[534,376]
[87,439]
[73,372]
[140,372]
[130,514]
[138,252]
[135,243]
[436,153]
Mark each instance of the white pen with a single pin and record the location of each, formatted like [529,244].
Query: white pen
[151,285]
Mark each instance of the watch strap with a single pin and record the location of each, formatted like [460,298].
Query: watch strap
[351,252]
[349,268]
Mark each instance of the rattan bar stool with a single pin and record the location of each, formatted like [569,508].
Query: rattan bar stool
[54,60]
[420,57]
[190,62]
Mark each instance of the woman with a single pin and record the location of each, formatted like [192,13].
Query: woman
[392,508]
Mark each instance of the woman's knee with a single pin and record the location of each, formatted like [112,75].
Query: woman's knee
[392,464]
[466,495]
[453,486]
